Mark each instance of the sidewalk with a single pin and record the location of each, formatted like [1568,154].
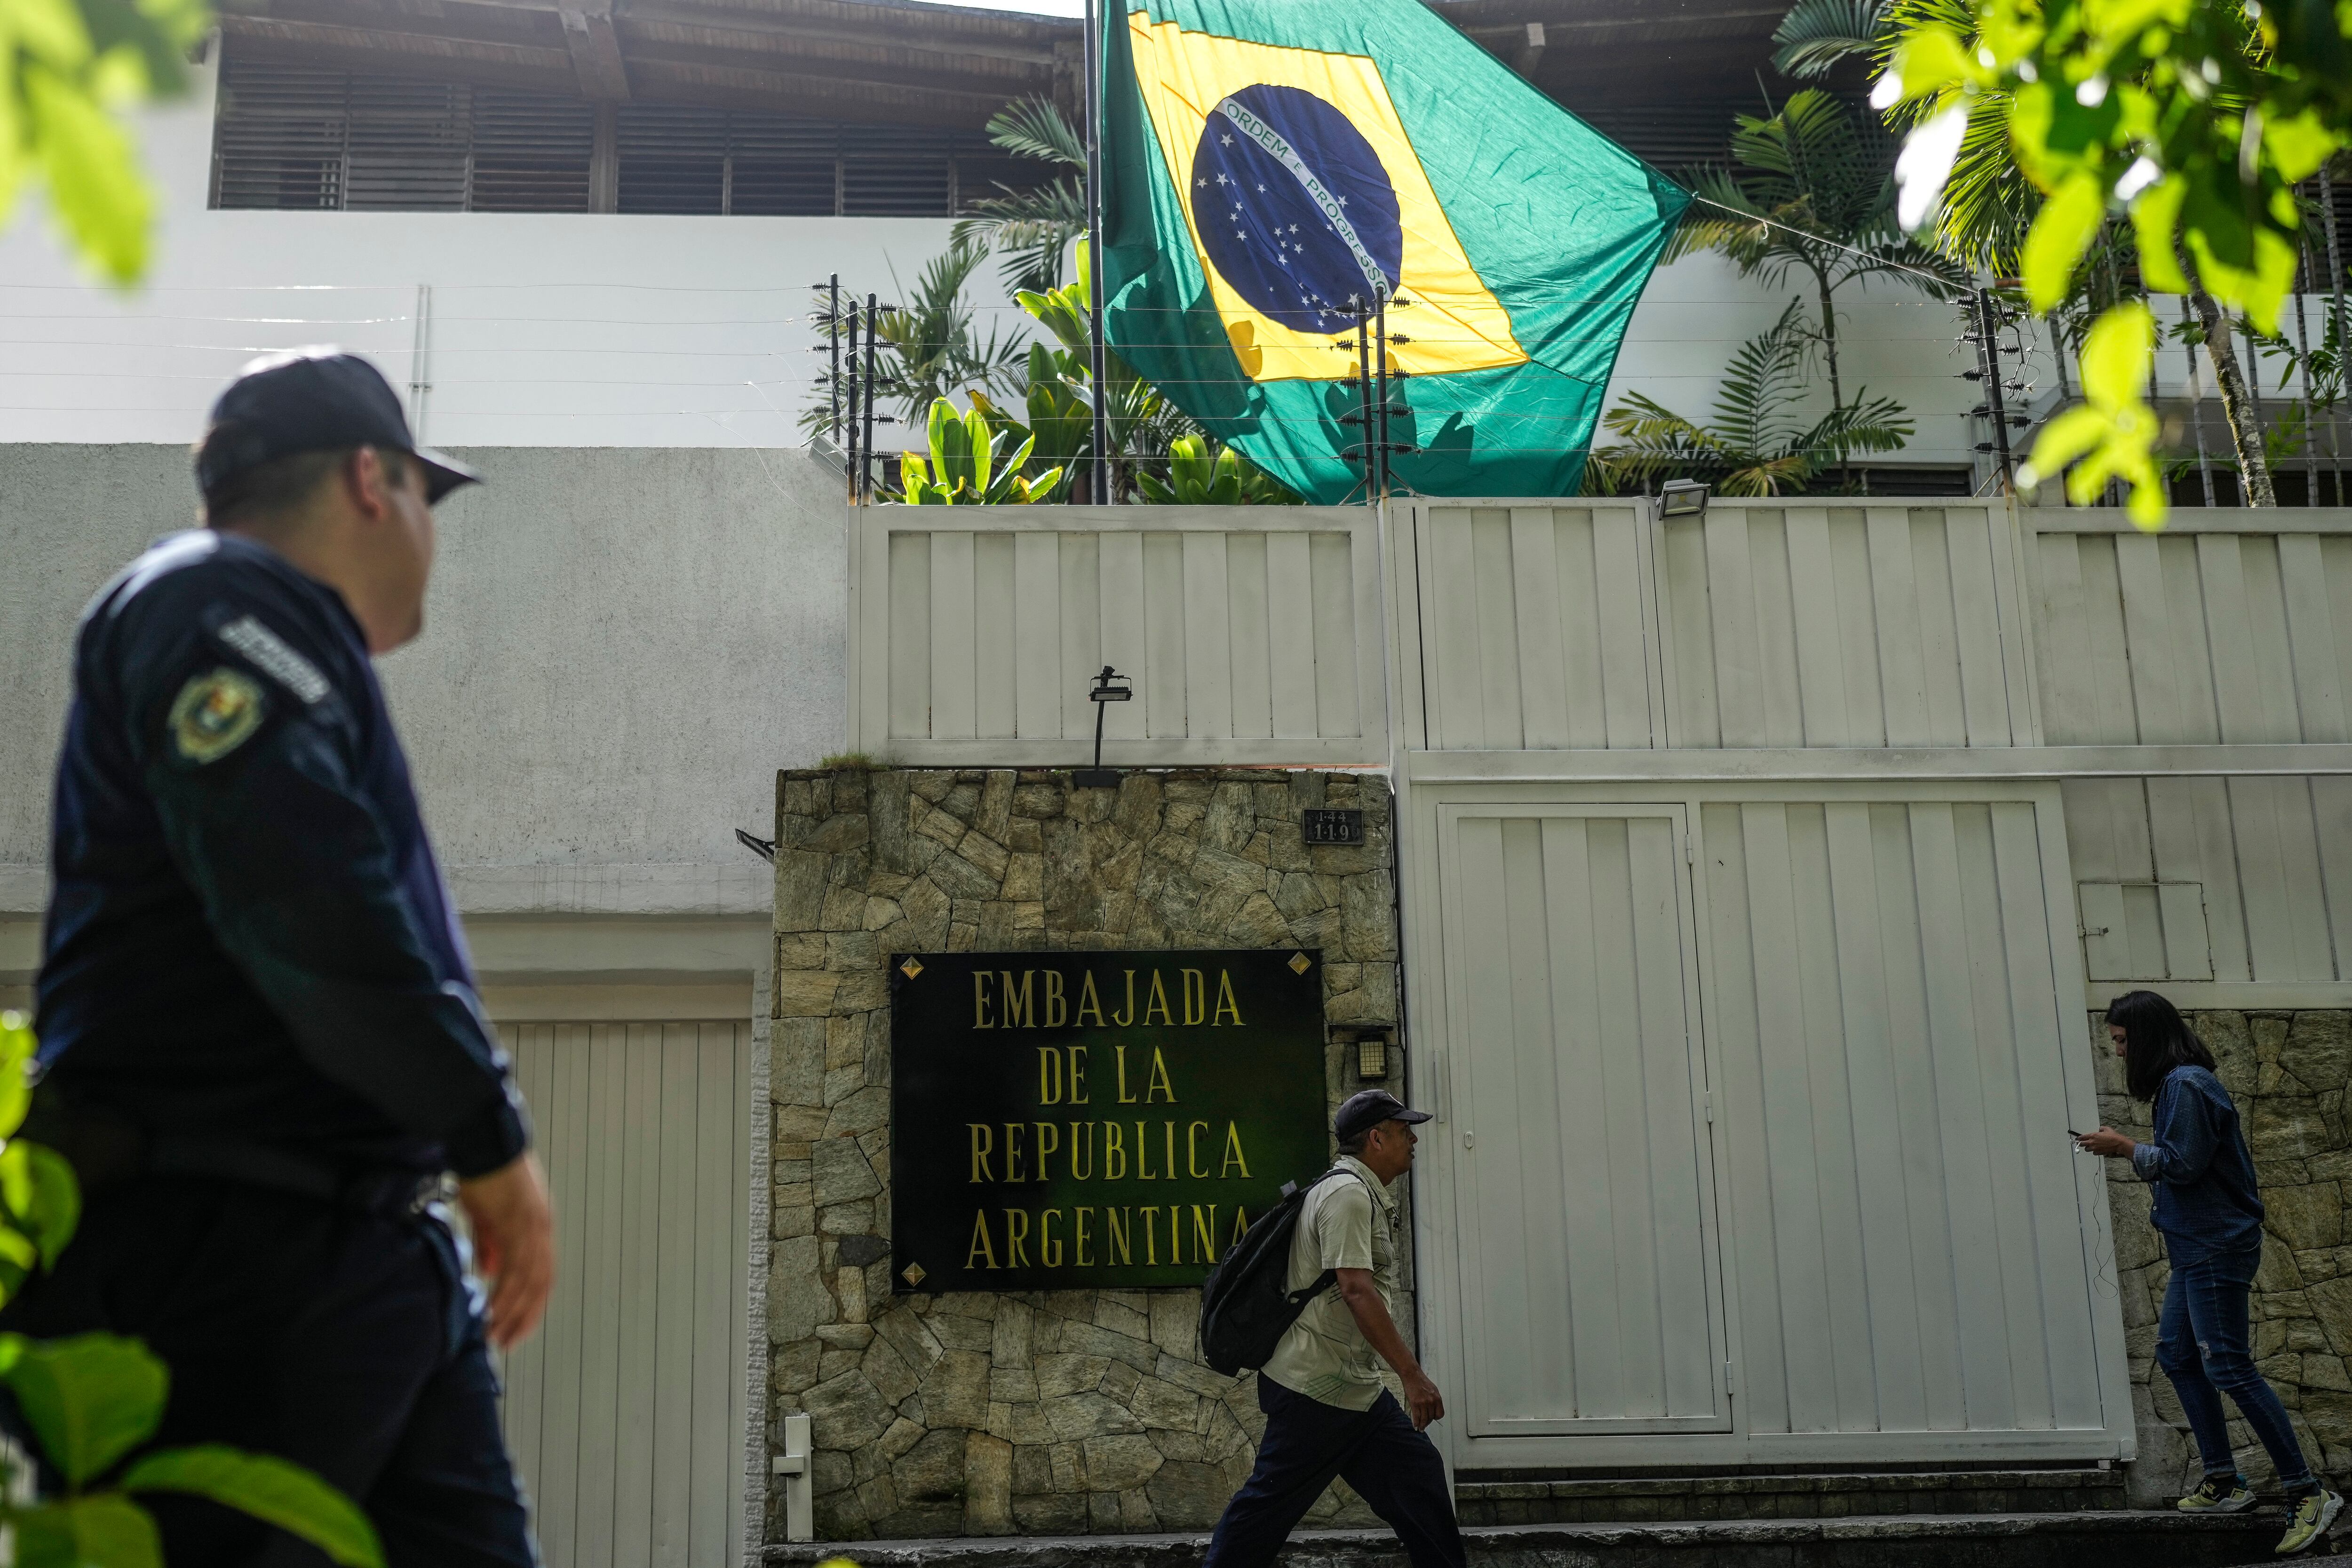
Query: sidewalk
[2101,1539]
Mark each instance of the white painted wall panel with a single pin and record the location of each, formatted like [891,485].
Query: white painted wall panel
[1591,625]
[1912,1249]
[625,1414]
[1536,626]
[1794,624]
[1250,634]
[1585,1207]
[2251,878]
[2194,638]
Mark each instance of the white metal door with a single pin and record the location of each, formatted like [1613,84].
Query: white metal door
[625,1413]
[1587,1254]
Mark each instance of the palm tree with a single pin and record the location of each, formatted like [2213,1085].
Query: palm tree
[1811,191]
[1987,204]
[1752,446]
[929,348]
[1033,228]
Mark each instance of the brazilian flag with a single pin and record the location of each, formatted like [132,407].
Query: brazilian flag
[1269,162]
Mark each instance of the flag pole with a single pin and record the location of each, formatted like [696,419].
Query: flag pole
[1100,486]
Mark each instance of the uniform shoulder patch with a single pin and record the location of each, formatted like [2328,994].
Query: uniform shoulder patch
[267,650]
[215,713]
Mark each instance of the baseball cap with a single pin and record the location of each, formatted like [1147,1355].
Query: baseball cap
[311,400]
[1368,1108]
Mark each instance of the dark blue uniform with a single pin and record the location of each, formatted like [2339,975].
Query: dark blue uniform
[262,1044]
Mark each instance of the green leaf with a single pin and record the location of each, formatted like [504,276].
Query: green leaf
[1931,58]
[17,1047]
[92,173]
[2156,217]
[91,1399]
[2115,355]
[43,1198]
[2068,222]
[108,1530]
[2114,434]
[983,442]
[2298,144]
[270,1490]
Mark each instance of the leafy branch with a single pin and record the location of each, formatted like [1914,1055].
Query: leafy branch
[94,1401]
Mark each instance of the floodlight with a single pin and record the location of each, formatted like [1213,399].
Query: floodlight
[1682,498]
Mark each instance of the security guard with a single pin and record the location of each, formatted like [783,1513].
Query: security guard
[261,1045]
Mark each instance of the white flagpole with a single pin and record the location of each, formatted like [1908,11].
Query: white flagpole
[1100,486]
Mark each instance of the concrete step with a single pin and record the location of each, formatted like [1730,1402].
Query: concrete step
[2091,1538]
[1644,1500]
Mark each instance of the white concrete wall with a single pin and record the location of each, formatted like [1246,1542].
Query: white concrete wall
[558,330]
[622,647]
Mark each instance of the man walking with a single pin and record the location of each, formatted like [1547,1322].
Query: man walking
[261,1044]
[1326,1412]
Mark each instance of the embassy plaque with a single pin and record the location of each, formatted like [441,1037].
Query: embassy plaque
[1063,1120]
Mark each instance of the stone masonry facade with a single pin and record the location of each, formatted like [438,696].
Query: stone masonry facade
[1041,1412]
[2288,1073]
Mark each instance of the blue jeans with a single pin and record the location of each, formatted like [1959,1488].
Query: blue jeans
[2201,1343]
[1393,1468]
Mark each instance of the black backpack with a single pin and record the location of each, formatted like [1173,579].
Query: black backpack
[1247,1303]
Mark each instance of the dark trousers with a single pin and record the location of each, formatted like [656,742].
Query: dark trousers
[344,1340]
[2203,1345]
[1393,1468]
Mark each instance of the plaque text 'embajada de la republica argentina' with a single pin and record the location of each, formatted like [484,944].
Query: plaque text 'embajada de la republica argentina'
[1061,1120]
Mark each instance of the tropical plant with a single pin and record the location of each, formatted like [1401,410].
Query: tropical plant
[1060,424]
[1811,192]
[68,70]
[1817,35]
[1202,473]
[971,463]
[1754,446]
[2195,121]
[1140,423]
[93,1401]
[927,348]
[1032,228]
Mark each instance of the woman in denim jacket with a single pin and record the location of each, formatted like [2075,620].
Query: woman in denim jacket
[2211,1213]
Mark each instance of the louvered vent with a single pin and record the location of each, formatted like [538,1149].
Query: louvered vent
[280,137]
[673,159]
[780,167]
[289,137]
[408,141]
[1669,136]
[992,174]
[531,153]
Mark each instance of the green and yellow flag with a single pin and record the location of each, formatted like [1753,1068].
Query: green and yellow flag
[1270,163]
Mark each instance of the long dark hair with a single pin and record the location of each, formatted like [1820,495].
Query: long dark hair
[2156,1039]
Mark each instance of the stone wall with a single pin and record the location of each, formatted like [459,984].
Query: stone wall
[2288,1073]
[1051,1412]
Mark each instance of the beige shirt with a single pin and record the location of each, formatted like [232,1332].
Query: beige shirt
[1348,1222]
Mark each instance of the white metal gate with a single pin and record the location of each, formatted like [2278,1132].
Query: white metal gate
[625,1413]
[1841,1017]
[1586,1205]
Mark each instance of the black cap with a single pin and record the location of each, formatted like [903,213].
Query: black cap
[311,400]
[1367,1109]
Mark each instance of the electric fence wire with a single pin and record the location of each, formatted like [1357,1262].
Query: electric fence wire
[1433,337]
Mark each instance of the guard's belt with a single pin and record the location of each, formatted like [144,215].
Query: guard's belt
[108,1150]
